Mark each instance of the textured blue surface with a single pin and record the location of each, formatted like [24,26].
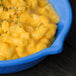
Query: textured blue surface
[64,10]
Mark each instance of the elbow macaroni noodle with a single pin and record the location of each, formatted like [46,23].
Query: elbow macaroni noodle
[26,27]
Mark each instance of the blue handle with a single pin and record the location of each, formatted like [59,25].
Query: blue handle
[63,8]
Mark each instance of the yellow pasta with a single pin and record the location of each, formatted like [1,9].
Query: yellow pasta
[26,27]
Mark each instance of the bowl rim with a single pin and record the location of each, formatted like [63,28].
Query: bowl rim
[42,53]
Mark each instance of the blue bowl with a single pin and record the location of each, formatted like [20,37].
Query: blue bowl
[64,10]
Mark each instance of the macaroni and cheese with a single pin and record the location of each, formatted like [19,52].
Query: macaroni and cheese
[26,27]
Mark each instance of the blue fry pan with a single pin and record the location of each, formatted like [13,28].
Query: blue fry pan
[64,10]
